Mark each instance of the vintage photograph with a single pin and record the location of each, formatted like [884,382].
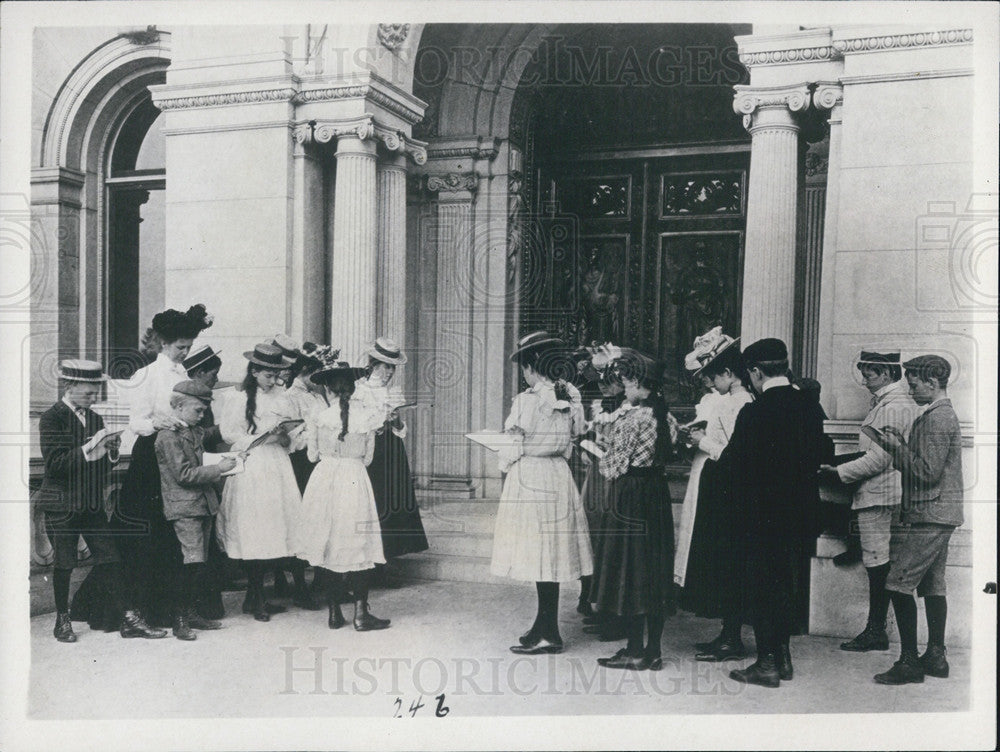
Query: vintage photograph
[504,378]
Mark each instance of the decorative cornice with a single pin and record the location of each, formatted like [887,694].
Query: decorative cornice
[785,57]
[453,182]
[365,91]
[260,96]
[903,41]
[749,99]
[479,148]
[392,36]
[828,94]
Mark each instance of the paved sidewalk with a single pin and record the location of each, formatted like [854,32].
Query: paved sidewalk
[447,639]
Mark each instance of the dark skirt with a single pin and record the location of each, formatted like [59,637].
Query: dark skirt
[95,603]
[714,585]
[634,562]
[395,500]
[151,555]
[302,468]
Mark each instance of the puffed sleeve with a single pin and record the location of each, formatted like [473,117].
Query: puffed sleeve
[141,401]
[576,411]
[521,413]
[232,424]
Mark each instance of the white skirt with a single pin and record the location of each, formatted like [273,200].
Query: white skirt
[339,528]
[686,530]
[260,507]
[541,531]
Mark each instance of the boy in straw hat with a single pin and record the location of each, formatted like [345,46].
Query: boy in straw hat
[189,498]
[75,448]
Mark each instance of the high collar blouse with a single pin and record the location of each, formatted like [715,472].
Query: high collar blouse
[379,401]
[149,392]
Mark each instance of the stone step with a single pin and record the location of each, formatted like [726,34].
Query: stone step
[438,566]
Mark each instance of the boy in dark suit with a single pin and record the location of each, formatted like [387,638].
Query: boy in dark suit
[775,451]
[75,449]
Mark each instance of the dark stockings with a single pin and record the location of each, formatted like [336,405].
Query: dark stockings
[586,587]
[547,617]
[878,596]
[937,615]
[60,584]
[905,607]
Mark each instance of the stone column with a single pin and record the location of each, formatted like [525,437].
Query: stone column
[772,209]
[354,276]
[390,316]
[829,96]
[452,369]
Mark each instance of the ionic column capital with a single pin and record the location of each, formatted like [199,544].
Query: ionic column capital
[325,131]
[827,95]
[453,182]
[364,129]
[750,99]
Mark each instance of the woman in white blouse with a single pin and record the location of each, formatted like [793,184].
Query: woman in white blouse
[146,540]
[712,585]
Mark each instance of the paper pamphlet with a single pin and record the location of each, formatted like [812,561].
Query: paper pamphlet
[210,458]
[494,440]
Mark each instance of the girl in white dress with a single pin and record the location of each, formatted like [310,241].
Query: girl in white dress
[339,528]
[541,529]
[261,505]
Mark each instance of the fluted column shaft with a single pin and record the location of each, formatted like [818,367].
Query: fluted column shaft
[391,298]
[354,275]
[772,205]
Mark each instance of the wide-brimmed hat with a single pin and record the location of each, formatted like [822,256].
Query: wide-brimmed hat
[337,368]
[387,351]
[706,348]
[194,389]
[720,349]
[82,370]
[872,358]
[534,341]
[288,346]
[633,364]
[268,356]
[200,356]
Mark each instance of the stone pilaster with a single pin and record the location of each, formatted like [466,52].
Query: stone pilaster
[354,275]
[391,201]
[829,96]
[772,209]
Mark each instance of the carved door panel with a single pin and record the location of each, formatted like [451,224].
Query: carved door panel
[646,253]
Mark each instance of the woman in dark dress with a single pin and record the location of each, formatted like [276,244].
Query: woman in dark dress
[389,471]
[147,542]
[634,570]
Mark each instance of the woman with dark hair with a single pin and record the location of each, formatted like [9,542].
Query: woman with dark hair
[148,544]
[339,528]
[712,587]
[260,506]
[636,557]
[389,471]
[541,533]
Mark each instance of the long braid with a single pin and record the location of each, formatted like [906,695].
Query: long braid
[345,414]
[250,389]
[342,385]
[664,448]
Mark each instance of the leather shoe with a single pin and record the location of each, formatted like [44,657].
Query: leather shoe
[63,630]
[585,609]
[763,672]
[367,623]
[540,647]
[273,608]
[133,625]
[934,663]
[907,670]
[627,662]
[182,630]
[724,651]
[336,619]
[872,638]
[197,622]
[783,660]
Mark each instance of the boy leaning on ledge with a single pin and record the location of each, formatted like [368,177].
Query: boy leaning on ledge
[931,468]
[190,500]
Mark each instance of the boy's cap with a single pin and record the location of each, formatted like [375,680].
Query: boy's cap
[194,389]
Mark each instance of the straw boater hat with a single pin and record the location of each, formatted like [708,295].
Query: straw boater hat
[386,351]
[872,358]
[707,348]
[199,357]
[82,370]
[534,341]
[288,346]
[268,356]
[336,368]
